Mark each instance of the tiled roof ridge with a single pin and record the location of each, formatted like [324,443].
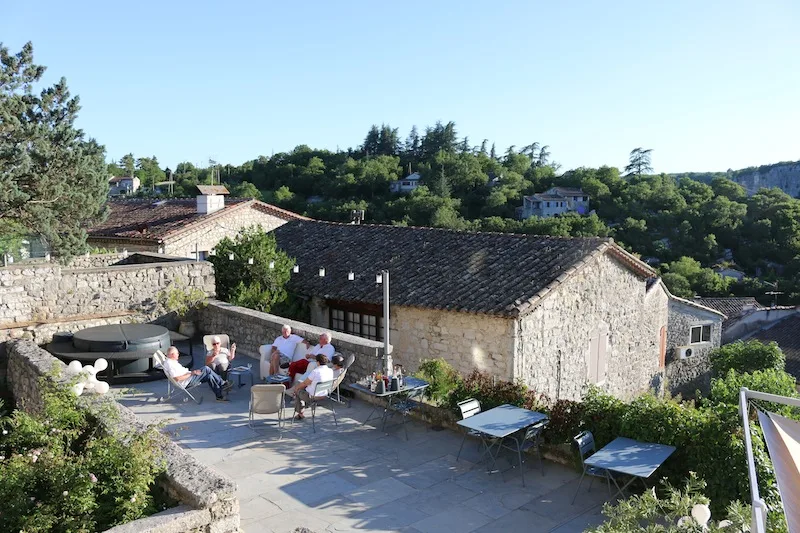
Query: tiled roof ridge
[695,304]
[465,232]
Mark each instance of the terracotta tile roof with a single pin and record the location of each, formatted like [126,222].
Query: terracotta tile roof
[146,219]
[787,334]
[490,273]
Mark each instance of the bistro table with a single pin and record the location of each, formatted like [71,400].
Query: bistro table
[498,423]
[630,457]
[397,401]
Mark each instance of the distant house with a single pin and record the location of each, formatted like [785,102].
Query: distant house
[732,273]
[123,185]
[558,314]
[555,201]
[183,227]
[407,184]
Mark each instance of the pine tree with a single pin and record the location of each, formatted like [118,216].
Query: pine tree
[53,182]
[639,162]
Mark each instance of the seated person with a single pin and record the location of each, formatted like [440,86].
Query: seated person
[218,358]
[338,365]
[324,347]
[283,349]
[303,390]
[185,378]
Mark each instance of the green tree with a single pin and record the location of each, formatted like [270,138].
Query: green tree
[53,181]
[678,285]
[639,162]
[744,357]
[246,189]
[128,164]
[256,285]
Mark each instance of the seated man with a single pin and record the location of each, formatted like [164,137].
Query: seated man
[283,349]
[324,347]
[218,358]
[338,365]
[185,378]
[303,390]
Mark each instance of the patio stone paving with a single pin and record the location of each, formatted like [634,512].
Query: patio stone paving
[355,477]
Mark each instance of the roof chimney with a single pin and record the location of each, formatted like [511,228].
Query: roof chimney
[211,199]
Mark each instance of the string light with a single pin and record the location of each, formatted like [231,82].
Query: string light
[296,269]
[378,278]
[124,253]
[272,264]
[250,261]
[230,257]
[351,275]
[322,272]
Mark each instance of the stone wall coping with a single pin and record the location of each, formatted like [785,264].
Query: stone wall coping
[175,520]
[340,340]
[133,266]
[63,320]
[194,484]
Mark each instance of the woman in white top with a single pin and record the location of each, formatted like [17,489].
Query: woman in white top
[303,390]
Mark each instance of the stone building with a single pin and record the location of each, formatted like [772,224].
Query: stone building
[692,332]
[183,227]
[555,201]
[556,313]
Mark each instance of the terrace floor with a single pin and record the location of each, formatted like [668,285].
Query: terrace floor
[355,477]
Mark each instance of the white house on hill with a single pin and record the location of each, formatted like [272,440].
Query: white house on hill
[555,201]
[407,184]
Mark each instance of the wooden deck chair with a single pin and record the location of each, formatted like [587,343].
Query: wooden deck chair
[159,358]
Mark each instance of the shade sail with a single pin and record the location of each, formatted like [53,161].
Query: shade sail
[783,441]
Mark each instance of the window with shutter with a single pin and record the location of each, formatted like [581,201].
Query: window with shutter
[597,356]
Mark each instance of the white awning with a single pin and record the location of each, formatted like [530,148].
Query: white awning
[783,441]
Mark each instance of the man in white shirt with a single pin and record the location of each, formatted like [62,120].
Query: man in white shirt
[283,349]
[303,390]
[185,378]
[324,347]
[218,358]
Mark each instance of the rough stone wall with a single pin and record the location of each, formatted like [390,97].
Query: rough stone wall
[688,375]
[784,176]
[209,500]
[206,236]
[50,293]
[96,260]
[467,341]
[553,340]
[250,329]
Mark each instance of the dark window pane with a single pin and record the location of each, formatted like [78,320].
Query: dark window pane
[706,333]
[696,334]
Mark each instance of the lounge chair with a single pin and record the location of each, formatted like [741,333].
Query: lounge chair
[172,385]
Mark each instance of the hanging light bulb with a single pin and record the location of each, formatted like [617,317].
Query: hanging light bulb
[379,278]
[250,261]
[161,250]
[124,253]
[322,272]
[296,269]
[230,257]
[351,275]
[213,252]
[272,264]
[47,257]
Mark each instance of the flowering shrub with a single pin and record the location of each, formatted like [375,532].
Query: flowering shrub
[59,472]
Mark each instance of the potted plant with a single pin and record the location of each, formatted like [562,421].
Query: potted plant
[184,301]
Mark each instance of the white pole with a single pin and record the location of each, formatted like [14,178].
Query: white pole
[387,357]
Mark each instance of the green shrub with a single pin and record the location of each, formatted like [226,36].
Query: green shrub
[565,421]
[58,472]
[648,512]
[492,392]
[747,357]
[442,377]
[726,389]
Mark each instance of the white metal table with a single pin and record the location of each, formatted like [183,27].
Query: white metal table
[500,422]
[630,457]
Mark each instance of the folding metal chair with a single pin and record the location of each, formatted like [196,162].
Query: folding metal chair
[586,447]
[172,384]
[471,407]
[524,440]
[316,399]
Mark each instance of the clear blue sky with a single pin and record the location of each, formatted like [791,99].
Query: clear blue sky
[707,85]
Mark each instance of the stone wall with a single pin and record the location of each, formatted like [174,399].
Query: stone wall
[206,236]
[465,340]
[553,341]
[250,329]
[49,293]
[685,376]
[208,499]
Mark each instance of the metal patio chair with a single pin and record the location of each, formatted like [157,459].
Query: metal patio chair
[316,399]
[586,447]
[471,407]
[267,400]
[529,438]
